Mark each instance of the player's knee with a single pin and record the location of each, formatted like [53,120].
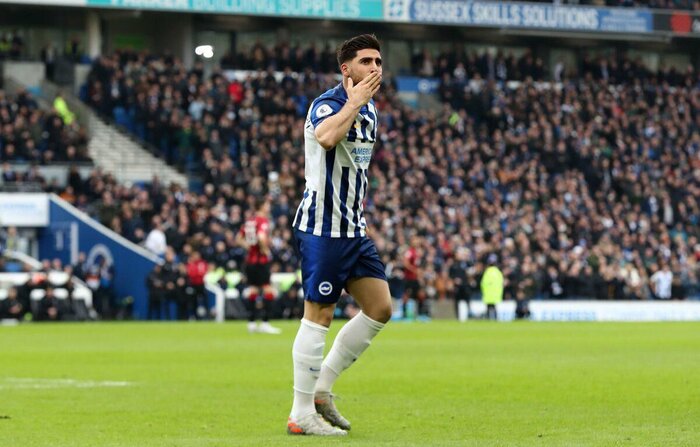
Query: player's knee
[319,313]
[381,313]
[321,318]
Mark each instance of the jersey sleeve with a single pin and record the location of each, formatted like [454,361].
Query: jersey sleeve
[324,108]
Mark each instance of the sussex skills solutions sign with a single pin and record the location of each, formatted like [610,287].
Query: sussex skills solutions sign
[333,9]
[521,15]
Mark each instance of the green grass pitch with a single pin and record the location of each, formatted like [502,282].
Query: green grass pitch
[434,384]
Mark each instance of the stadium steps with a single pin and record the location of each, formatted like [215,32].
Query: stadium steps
[114,150]
[117,153]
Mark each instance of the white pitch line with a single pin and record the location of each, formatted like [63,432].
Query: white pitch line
[21,383]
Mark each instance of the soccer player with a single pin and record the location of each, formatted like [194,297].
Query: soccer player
[255,236]
[411,275]
[330,231]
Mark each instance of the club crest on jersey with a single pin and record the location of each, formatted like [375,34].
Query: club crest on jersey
[325,288]
[323,110]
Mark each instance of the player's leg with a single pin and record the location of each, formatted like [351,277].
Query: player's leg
[369,288]
[372,294]
[307,355]
[404,300]
[412,291]
[268,292]
[320,273]
[420,304]
[268,302]
[251,298]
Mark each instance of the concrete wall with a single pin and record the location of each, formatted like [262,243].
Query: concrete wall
[156,32]
[29,74]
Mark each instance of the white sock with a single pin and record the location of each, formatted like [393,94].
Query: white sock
[349,344]
[307,355]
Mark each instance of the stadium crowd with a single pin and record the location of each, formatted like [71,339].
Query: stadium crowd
[11,45]
[462,67]
[48,293]
[31,135]
[585,189]
[588,188]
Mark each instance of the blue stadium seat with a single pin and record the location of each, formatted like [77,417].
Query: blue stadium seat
[122,118]
[35,91]
[13,267]
[83,93]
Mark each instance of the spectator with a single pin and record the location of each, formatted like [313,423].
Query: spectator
[50,308]
[156,241]
[156,290]
[48,57]
[461,274]
[492,287]
[11,307]
[662,281]
[553,284]
[61,108]
[169,273]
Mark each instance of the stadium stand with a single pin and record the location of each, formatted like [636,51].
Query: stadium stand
[46,291]
[32,135]
[574,185]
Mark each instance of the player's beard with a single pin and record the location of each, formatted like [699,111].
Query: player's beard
[356,79]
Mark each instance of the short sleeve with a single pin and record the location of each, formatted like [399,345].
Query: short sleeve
[323,108]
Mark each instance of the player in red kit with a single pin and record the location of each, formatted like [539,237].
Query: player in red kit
[412,276]
[255,236]
[196,303]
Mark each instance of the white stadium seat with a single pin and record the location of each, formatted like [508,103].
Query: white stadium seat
[81,293]
[37,294]
[232,294]
[58,278]
[61,293]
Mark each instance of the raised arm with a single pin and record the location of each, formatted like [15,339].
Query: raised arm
[334,128]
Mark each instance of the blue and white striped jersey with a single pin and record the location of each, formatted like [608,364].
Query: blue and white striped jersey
[336,180]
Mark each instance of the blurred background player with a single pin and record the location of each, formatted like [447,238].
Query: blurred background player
[412,273]
[260,295]
[330,231]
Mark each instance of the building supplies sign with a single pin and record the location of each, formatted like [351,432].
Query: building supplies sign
[331,9]
[518,15]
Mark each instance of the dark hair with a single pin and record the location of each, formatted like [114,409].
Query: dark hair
[348,50]
[260,202]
